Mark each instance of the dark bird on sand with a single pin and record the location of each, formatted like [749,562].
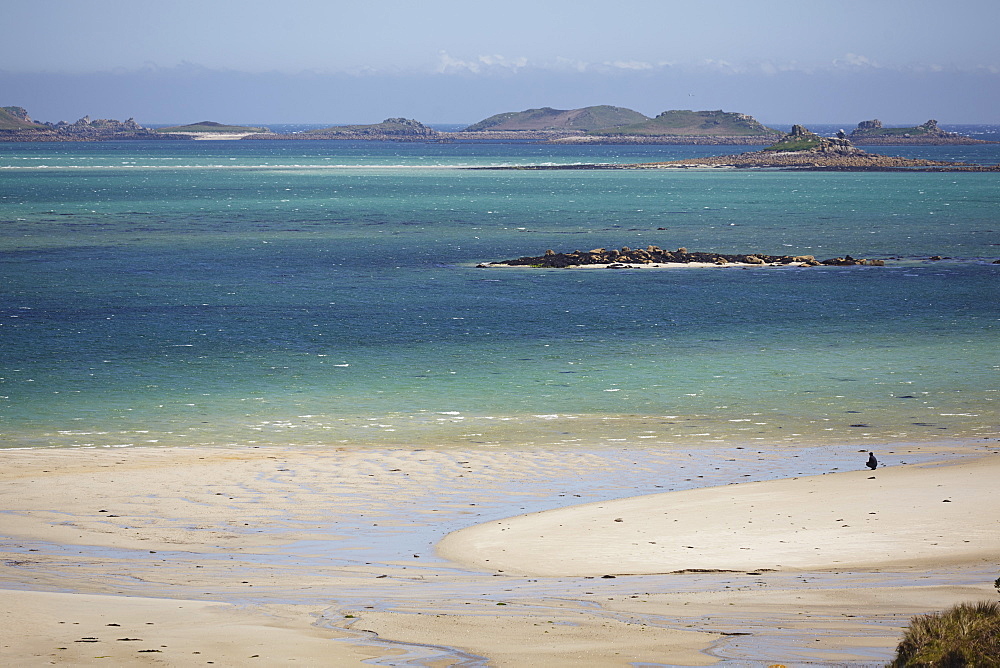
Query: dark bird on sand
[872,463]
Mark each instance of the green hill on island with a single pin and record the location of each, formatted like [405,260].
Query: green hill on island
[16,118]
[685,123]
[390,127]
[212,126]
[581,120]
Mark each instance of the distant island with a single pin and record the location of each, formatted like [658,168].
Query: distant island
[600,124]
[802,149]
[872,132]
[587,119]
[799,149]
[16,125]
[213,130]
[391,129]
[683,125]
[618,125]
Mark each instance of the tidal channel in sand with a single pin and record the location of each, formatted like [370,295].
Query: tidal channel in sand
[227,553]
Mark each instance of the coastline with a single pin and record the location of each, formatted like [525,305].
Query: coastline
[265,408]
[306,545]
[517,136]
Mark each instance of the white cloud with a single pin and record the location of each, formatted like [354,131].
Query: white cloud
[447,64]
[498,64]
[503,62]
[721,66]
[629,65]
[563,63]
[854,60]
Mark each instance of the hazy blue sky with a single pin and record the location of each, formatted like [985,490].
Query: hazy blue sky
[459,61]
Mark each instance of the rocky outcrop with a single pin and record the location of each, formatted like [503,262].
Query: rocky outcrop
[799,149]
[802,149]
[83,129]
[801,140]
[868,126]
[87,127]
[654,255]
[816,161]
[874,133]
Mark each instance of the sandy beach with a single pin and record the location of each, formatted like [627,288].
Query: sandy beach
[212,136]
[902,516]
[466,556]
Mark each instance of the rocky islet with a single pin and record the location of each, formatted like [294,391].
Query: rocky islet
[654,255]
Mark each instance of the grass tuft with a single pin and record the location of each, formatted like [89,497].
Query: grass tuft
[967,635]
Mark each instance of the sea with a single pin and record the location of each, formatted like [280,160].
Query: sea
[327,294]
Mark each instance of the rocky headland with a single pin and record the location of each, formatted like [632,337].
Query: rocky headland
[652,256]
[16,125]
[16,118]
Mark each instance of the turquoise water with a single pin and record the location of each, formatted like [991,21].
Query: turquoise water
[325,293]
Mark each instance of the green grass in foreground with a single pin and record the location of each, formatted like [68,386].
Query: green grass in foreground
[967,635]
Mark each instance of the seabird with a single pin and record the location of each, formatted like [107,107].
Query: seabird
[872,462]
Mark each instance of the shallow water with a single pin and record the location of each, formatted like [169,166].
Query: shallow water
[317,293]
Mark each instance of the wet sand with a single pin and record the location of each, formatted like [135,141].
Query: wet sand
[235,552]
[82,629]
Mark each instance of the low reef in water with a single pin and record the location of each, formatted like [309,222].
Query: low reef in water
[654,255]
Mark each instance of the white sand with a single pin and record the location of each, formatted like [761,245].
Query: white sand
[908,515]
[236,552]
[212,136]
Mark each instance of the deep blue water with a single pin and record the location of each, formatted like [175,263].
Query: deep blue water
[326,293]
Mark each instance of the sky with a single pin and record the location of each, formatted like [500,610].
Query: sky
[449,61]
